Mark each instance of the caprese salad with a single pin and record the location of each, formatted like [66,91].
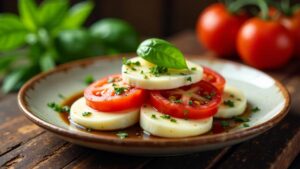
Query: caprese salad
[167,95]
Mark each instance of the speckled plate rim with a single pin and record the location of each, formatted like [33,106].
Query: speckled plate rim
[189,141]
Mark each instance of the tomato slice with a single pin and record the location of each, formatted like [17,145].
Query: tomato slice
[112,94]
[195,101]
[214,78]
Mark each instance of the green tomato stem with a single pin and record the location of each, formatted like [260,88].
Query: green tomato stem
[263,6]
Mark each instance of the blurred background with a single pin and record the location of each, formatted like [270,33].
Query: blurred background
[159,18]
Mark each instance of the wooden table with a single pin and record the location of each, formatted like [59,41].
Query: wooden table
[25,145]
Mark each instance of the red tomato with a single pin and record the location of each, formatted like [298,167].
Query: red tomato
[200,100]
[264,44]
[111,94]
[217,29]
[293,25]
[214,78]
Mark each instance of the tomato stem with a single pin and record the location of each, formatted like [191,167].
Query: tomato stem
[263,6]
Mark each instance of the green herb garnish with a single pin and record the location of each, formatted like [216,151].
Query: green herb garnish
[153,116]
[255,109]
[165,116]
[119,90]
[89,79]
[161,53]
[240,119]
[228,103]
[61,96]
[158,70]
[122,134]
[173,120]
[189,79]
[58,108]
[246,125]
[193,68]
[224,123]
[86,114]
[190,102]
[129,63]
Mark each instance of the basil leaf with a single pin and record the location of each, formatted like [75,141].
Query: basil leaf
[52,13]
[12,79]
[12,32]
[47,62]
[161,53]
[77,15]
[28,13]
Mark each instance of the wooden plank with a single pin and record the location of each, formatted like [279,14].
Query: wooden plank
[101,159]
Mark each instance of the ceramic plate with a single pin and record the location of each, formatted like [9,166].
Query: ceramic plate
[260,89]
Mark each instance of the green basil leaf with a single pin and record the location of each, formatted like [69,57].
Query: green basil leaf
[28,13]
[77,15]
[52,13]
[161,53]
[12,32]
[47,62]
[12,79]
[6,61]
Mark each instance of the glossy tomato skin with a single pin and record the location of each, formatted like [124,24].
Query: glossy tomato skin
[217,29]
[111,102]
[214,78]
[293,25]
[183,109]
[264,44]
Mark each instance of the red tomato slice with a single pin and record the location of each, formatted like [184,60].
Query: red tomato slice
[214,78]
[195,101]
[112,94]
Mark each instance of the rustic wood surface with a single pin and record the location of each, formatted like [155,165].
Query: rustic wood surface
[24,145]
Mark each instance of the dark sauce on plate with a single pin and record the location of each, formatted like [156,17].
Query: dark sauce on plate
[219,125]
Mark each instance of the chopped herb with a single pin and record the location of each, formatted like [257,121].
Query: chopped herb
[209,96]
[86,114]
[165,116]
[122,134]
[125,72]
[114,84]
[145,77]
[255,109]
[173,120]
[190,102]
[133,69]
[61,96]
[142,72]
[153,116]
[193,68]
[110,80]
[228,103]
[177,101]
[89,79]
[246,125]
[238,99]
[127,62]
[224,123]
[158,70]
[231,95]
[241,119]
[58,108]
[119,90]
[182,73]
[189,79]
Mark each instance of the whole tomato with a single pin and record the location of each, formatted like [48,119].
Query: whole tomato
[264,44]
[217,29]
[292,23]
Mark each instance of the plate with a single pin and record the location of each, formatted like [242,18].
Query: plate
[260,89]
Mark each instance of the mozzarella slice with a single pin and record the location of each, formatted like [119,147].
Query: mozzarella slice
[152,122]
[98,120]
[234,103]
[140,76]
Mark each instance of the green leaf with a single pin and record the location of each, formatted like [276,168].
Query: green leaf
[161,53]
[12,32]
[12,79]
[47,61]
[6,61]
[52,13]
[28,13]
[77,15]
